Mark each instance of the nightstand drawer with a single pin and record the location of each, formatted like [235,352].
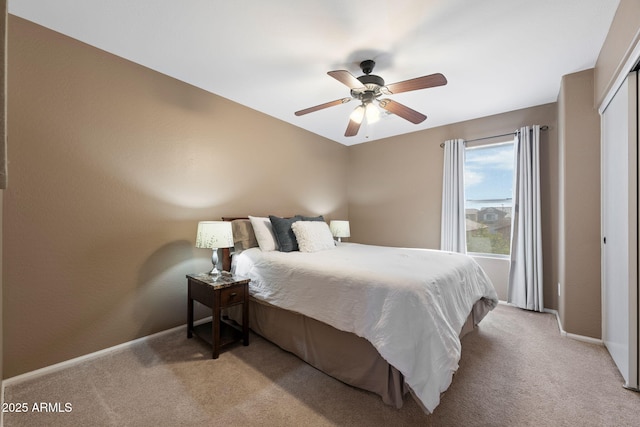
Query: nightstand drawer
[231,296]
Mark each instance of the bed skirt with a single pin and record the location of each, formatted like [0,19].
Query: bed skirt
[342,355]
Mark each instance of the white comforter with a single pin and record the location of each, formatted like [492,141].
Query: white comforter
[410,304]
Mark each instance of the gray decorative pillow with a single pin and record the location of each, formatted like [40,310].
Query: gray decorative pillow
[284,234]
[243,235]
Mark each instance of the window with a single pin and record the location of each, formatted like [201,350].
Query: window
[488,186]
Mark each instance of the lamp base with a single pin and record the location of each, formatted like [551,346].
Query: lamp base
[214,260]
[215,273]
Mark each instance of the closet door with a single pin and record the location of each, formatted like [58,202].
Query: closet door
[620,230]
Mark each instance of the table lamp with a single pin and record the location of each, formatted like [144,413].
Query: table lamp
[340,229]
[214,235]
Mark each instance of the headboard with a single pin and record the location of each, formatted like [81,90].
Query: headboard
[226,252]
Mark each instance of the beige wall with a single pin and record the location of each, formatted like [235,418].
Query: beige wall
[3,159]
[579,201]
[621,40]
[112,166]
[2,311]
[395,185]
[3,91]
[498,271]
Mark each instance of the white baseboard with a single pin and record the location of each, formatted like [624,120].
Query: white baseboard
[562,331]
[570,335]
[72,362]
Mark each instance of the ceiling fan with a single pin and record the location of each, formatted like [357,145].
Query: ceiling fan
[368,88]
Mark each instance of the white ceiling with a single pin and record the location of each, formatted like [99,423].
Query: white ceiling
[273,56]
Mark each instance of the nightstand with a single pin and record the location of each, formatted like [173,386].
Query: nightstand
[218,292]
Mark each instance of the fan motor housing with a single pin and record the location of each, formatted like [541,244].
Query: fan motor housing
[371,79]
[372,88]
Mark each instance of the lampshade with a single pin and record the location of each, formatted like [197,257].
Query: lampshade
[340,228]
[214,234]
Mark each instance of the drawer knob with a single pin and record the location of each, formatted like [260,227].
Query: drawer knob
[233,294]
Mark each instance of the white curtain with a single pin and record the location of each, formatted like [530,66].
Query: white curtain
[452,230]
[525,275]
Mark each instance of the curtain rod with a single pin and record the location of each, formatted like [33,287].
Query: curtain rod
[545,127]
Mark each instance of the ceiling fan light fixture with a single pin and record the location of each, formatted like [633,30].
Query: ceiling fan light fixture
[358,114]
[372,113]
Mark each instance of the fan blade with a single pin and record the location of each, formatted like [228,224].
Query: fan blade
[346,78]
[322,106]
[403,111]
[423,82]
[355,120]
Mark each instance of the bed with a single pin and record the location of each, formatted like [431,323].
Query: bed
[387,320]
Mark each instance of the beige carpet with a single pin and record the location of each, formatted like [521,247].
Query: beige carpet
[516,370]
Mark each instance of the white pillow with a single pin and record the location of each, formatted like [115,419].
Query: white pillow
[264,233]
[313,236]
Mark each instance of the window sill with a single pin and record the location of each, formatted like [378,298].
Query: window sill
[491,256]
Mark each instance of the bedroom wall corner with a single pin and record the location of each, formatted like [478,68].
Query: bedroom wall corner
[395,186]
[618,48]
[112,166]
[579,238]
